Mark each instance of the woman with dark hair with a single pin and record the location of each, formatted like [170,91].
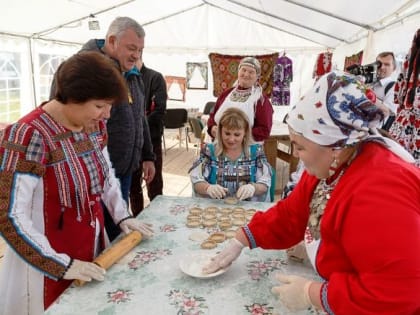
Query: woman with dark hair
[54,171]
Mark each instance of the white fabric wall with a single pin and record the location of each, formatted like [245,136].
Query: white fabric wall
[396,38]
[172,61]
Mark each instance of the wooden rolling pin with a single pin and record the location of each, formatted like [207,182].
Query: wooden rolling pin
[115,252]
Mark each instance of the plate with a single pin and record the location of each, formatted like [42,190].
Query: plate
[193,264]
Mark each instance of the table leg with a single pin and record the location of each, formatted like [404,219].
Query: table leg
[270,149]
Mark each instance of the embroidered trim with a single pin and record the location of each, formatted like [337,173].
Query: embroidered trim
[250,236]
[240,95]
[96,164]
[324,298]
[50,267]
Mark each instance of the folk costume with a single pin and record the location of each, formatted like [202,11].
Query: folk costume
[323,65]
[251,100]
[256,106]
[406,127]
[359,238]
[51,183]
[250,167]
[282,77]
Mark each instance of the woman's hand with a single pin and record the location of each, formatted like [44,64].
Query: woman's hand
[136,225]
[245,191]
[294,292]
[226,256]
[85,271]
[216,191]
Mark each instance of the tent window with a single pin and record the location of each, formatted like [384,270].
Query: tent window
[48,66]
[10,86]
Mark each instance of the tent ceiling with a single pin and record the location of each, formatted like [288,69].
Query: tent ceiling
[209,24]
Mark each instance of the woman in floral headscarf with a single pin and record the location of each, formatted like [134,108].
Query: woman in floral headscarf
[357,208]
[406,128]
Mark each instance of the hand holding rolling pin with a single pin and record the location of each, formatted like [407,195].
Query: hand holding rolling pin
[84,271]
[132,224]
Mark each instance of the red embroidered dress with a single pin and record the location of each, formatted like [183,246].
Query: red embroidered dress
[369,234]
[51,182]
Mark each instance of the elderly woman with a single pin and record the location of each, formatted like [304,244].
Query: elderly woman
[246,95]
[357,208]
[232,166]
[54,171]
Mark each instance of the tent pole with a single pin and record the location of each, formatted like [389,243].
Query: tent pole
[286,20]
[173,14]
[262,23]
[365,26]
[31,57]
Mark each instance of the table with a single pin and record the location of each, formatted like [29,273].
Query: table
[279,134]
[149,280]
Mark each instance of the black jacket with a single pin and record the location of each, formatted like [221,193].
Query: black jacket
[156,94]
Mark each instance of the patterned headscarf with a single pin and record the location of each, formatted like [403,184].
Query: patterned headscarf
[336,112]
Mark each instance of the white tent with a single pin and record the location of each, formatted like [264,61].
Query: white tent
[35,34]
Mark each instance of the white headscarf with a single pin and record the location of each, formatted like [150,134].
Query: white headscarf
[337,113]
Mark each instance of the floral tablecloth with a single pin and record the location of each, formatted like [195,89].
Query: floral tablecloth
[148,280]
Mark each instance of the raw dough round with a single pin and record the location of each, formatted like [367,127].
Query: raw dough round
[198,236]
[231,200]
[224,225]
[238,216]
[211,222]
[224,218]
[212,210]
[209,244]
[226,211]
[239,210]
[218,237]
[193,217]
[196,211]
[209,216]
[193,224]
[238,222]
